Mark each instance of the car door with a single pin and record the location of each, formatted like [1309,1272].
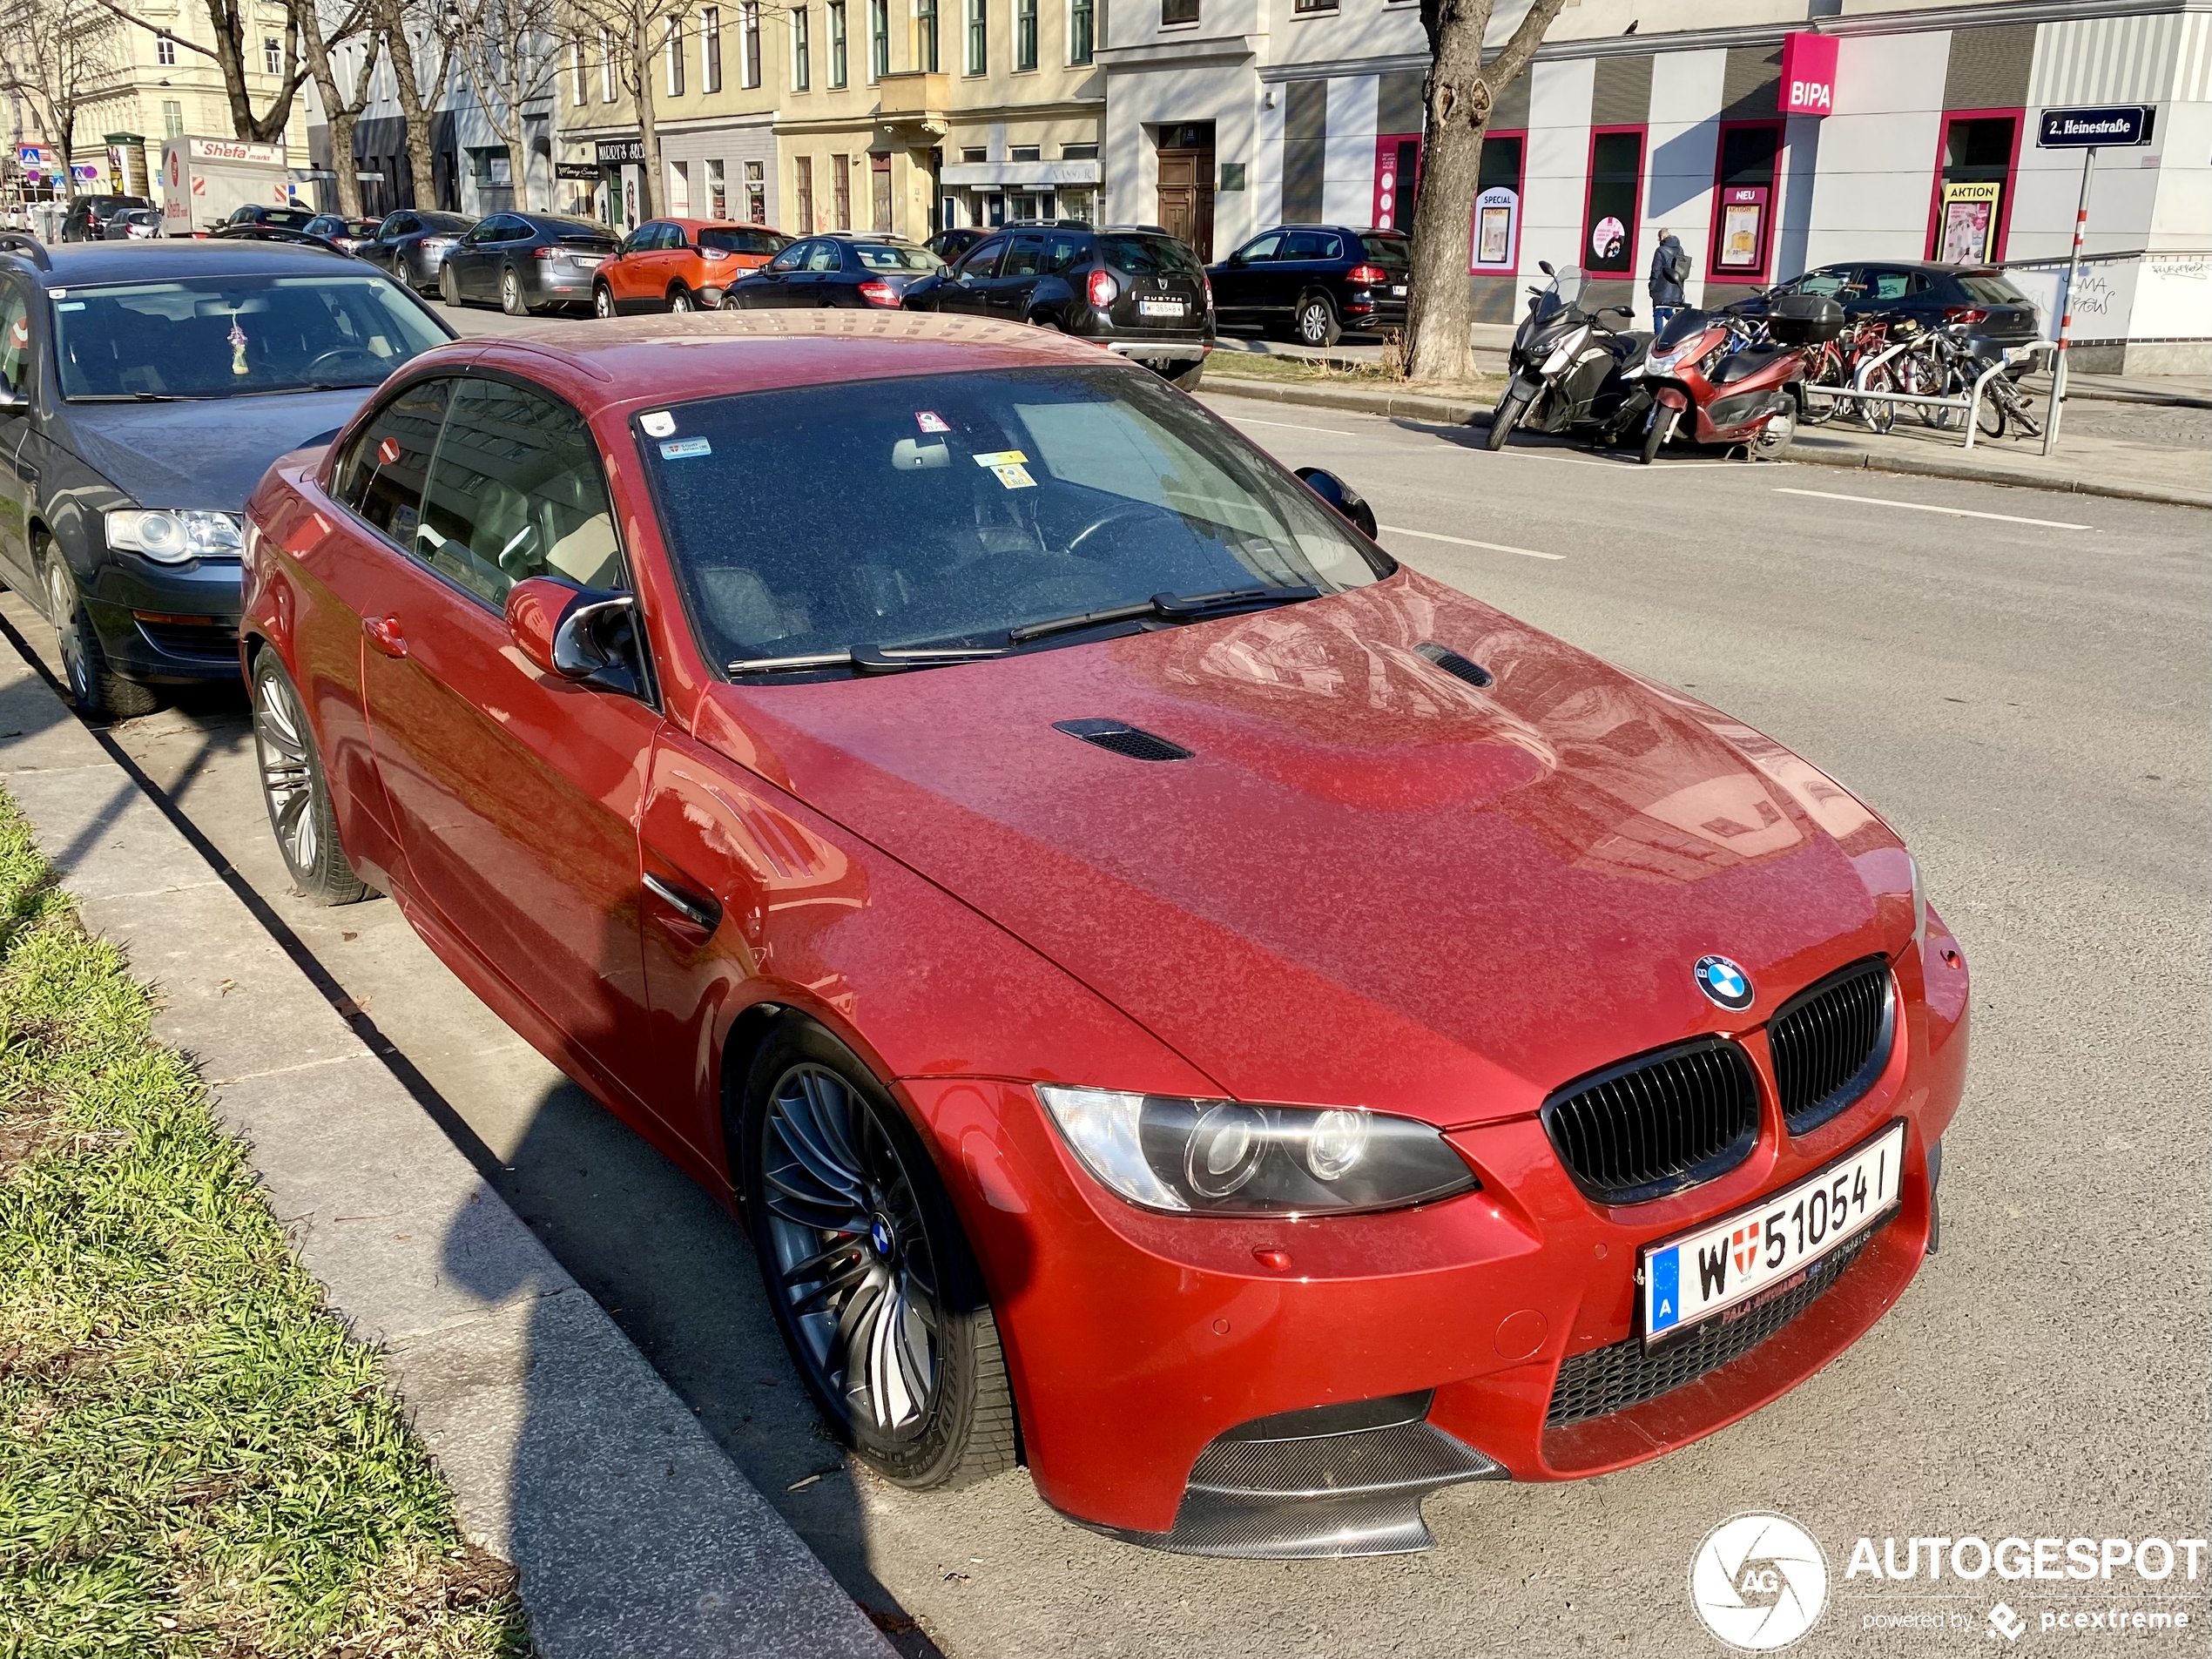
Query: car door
[1007,295]
[968,288]
[1307,260]
[769,287]
[1237,280]
[478,278]
[631,274]
[818,284]
[19,376]
[515,793]
[388,250]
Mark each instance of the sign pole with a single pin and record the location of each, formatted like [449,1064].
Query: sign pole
[2066,312]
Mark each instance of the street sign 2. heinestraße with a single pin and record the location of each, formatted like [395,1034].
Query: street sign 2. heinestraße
[2114,124]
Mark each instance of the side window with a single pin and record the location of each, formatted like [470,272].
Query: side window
[1304,244]
[826,256]
[792,258]
[518,492]
[1889,285]
[1261,249]
[983,259]
[1065,252]
[1024,255]
[15,339]
[380,476]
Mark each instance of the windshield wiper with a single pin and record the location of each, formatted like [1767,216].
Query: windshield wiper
[139,397]
[867,659]
[1174,607]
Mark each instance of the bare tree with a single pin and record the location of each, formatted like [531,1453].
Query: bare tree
[1461,91]
[510,56]
[341,104]
[418,33]
[231,55]
[635,29]
[57,55]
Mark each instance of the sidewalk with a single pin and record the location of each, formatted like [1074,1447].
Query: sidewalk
[568,1455]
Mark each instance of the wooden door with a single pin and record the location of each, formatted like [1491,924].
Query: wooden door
[1186,198]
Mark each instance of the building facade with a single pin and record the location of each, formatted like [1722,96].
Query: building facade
[1225,116]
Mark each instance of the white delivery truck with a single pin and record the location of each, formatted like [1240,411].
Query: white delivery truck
[204,181]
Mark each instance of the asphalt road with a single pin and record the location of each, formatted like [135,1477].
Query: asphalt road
[2019,681]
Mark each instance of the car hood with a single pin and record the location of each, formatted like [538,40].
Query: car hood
[204,453]
[1372,883]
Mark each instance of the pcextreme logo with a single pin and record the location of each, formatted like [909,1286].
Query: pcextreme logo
[1758,1582]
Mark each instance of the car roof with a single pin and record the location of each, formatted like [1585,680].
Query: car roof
[75,263]
[649,361]
[1934,268]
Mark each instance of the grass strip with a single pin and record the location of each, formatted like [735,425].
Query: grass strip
[195,1458]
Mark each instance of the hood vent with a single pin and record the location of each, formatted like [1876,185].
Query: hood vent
[1122,739]
[1451,663]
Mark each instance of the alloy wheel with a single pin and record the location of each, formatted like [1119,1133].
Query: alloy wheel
[852,1254]
[680,300]
[287,777]
[510,293]
[602,302]
[69,624]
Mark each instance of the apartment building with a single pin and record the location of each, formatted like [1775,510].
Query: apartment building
[1915,139]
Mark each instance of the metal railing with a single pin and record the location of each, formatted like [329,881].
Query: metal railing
[1968,403]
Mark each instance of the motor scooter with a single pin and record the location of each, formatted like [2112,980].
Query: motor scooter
[1711,377]
[1571,372]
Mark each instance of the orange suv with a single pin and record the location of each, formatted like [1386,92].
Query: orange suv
[681,265]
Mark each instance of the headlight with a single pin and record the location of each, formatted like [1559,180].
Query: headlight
[1662,361]
[1225,1158]
[172,538]
[1557,361]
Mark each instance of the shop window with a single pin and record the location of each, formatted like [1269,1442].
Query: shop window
[1973,208]
[756,192]
[1493,239]
[1616,185]
[1398,170]
[1743,185]
[717,192]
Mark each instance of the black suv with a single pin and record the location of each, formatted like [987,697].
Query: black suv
[1932,295]
[1133,290]
[122,487]
[1316,281]
[86,220]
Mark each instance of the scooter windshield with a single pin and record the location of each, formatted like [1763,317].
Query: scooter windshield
[1565,289]
[1683,326]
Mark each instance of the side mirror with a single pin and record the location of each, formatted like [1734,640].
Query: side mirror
[11,401]
[1545,265]
[583,634]
[1342,496]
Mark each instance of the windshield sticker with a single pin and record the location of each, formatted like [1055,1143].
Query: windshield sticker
[686,449]
[66,304]
[999,458]
[1015,475]
[930,421]
[659,424]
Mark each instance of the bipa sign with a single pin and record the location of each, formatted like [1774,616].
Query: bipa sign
[1808,75]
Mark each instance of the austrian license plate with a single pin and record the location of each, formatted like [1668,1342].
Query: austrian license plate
[1769,1246]
[1397,291]
[587,258]
[1159,307]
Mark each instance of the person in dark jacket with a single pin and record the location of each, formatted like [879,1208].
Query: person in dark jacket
[1669,267]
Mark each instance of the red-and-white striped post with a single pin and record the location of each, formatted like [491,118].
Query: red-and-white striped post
[2066,303]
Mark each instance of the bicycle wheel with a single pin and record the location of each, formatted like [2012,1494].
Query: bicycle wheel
[2016,409]
[1879,416]
[1828,371]
[1923,376]
[1989,416]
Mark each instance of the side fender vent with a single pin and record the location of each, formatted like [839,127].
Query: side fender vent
[1124,740]
[1451,663]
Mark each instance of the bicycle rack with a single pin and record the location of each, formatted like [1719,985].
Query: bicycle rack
[1969,405]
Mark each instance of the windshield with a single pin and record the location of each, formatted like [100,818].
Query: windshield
[742,241]
[1564,289]
[952,510]
[227,336]
[880,256]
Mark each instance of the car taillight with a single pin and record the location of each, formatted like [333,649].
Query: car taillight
[879,292]
[1366,274]
[1964,313]
[1206,291]
[545,253]
[1104,288]
[714,254]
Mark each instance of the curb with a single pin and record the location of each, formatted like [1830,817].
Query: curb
[568,1455]
[1458,412]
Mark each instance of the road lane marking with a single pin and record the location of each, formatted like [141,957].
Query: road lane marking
[1248,420]
[1953,512]
[1461,541]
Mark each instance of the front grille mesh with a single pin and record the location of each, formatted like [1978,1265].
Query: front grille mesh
[1831,1042]
[1114,736]
[1606,1381]
[1658,1124]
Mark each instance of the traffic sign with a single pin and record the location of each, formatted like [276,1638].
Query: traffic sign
[2115,125]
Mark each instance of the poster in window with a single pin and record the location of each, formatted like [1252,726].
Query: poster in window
[1496,210]
[1743,224]
[1969,222]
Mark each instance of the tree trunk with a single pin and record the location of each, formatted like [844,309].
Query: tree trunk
[413,114]
[1461,90]
[643,18]
[343,113]
[228,24]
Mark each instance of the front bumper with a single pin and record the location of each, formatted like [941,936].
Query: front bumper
[1142,1345]
[162,625]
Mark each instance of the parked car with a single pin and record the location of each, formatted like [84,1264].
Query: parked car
[1931,294]
[411,245]
[1313,282]
[681,265]
[147,389]
[1138,293]
[134,225]
[840,269]
[88,216]
[526,262]
[915,869]
[949,244]
[347,235]
[282,218]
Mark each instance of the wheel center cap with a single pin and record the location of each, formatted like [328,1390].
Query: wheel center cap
[880,1236]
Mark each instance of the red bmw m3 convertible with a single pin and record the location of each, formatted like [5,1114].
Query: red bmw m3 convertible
[1174,997]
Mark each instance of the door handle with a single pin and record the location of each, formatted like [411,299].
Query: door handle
[384,633]
[701,912]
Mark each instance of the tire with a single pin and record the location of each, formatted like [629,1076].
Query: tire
[679,301]
[1990,417]
[99,692]
[1186,379]
[1773,440]
[602,302]
[296,792]
[855,1227]
[1317,321]
[448,290]
[1879,417]
[510,293]
[1821,411]
[1506,415]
